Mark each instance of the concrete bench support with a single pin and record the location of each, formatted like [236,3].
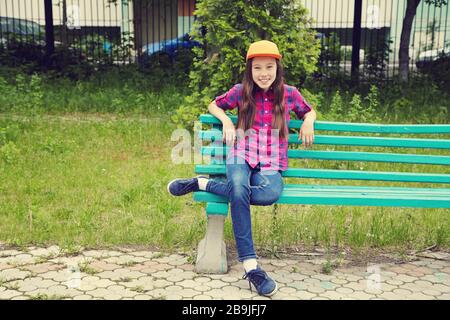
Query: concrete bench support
[211,253]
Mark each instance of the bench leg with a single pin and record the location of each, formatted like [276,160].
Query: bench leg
[211,253]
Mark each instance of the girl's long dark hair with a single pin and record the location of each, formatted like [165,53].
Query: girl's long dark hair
[247,111]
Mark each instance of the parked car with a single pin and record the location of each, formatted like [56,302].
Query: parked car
[431,57]
[15,27]
[168,48]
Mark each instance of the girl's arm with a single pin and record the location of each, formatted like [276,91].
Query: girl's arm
[229,132]
[307,130]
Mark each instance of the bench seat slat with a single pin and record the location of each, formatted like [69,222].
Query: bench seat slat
[373,189]
[388,191]
[354,127]
[330,195]
[217,208]
[219,169]
[214,135]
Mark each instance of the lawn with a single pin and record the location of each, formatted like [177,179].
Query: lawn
[82,169]
[100,179]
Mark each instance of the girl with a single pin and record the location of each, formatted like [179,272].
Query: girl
[258,156]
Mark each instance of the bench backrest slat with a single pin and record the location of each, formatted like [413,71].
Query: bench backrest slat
[355,127]
[347,156]
[215,135]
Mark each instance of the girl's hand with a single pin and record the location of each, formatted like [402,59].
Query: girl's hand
[229,132]
[307,133]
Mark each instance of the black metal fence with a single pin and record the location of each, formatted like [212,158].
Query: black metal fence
[130,31]
[381,26]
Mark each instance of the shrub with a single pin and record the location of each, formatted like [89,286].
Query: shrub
[231,26]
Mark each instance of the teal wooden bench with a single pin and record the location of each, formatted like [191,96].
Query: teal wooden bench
[329,136]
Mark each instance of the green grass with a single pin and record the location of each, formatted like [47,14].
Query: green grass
[91,181]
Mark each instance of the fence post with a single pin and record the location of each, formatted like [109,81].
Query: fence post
[49,31]
[356,40]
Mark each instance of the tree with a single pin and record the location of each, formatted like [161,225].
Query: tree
[226,28]
[411,9]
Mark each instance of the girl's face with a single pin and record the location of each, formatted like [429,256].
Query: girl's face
[264,71]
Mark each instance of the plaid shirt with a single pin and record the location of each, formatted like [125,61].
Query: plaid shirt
[262,144]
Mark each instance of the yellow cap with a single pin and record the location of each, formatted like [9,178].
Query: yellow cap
[263,48]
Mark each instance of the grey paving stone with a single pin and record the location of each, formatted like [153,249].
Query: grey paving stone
[188,275]
[423,284]
[401,291]
[387,287]
[202,279]
[8,294]
[120,274]
[143,297]
[315,289]
[230,279]
[421,296]
[83,297]
[188,293]
[202,297]
[344,290]
[9,253]
[161,283]
[20,298]
[405,278]
[288,290]
[141,284]
[297,285]
[260,298]
[361,295]
[431,292]
[395,282]
[216,284]
[121,291]
[100,293]
[46,252]
[157,294]
[333,295]
[445,296]
[125,260]
[188,284]
[13,274]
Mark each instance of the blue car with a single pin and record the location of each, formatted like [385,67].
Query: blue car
[168,47]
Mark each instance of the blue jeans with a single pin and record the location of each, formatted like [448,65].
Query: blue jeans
[245,186]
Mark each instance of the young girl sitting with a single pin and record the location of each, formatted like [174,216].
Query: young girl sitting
[258,152]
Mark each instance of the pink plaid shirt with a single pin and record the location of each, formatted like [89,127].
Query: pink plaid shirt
[262,144]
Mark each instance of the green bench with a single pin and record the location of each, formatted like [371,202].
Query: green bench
[329,136]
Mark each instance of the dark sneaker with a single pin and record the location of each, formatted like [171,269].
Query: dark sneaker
[265,285]
[179,187]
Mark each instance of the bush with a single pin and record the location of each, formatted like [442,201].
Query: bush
[231,26]
[439,72]
[30,57]
[330,56]
[376,59]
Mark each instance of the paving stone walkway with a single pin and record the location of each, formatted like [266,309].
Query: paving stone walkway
[49,273]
